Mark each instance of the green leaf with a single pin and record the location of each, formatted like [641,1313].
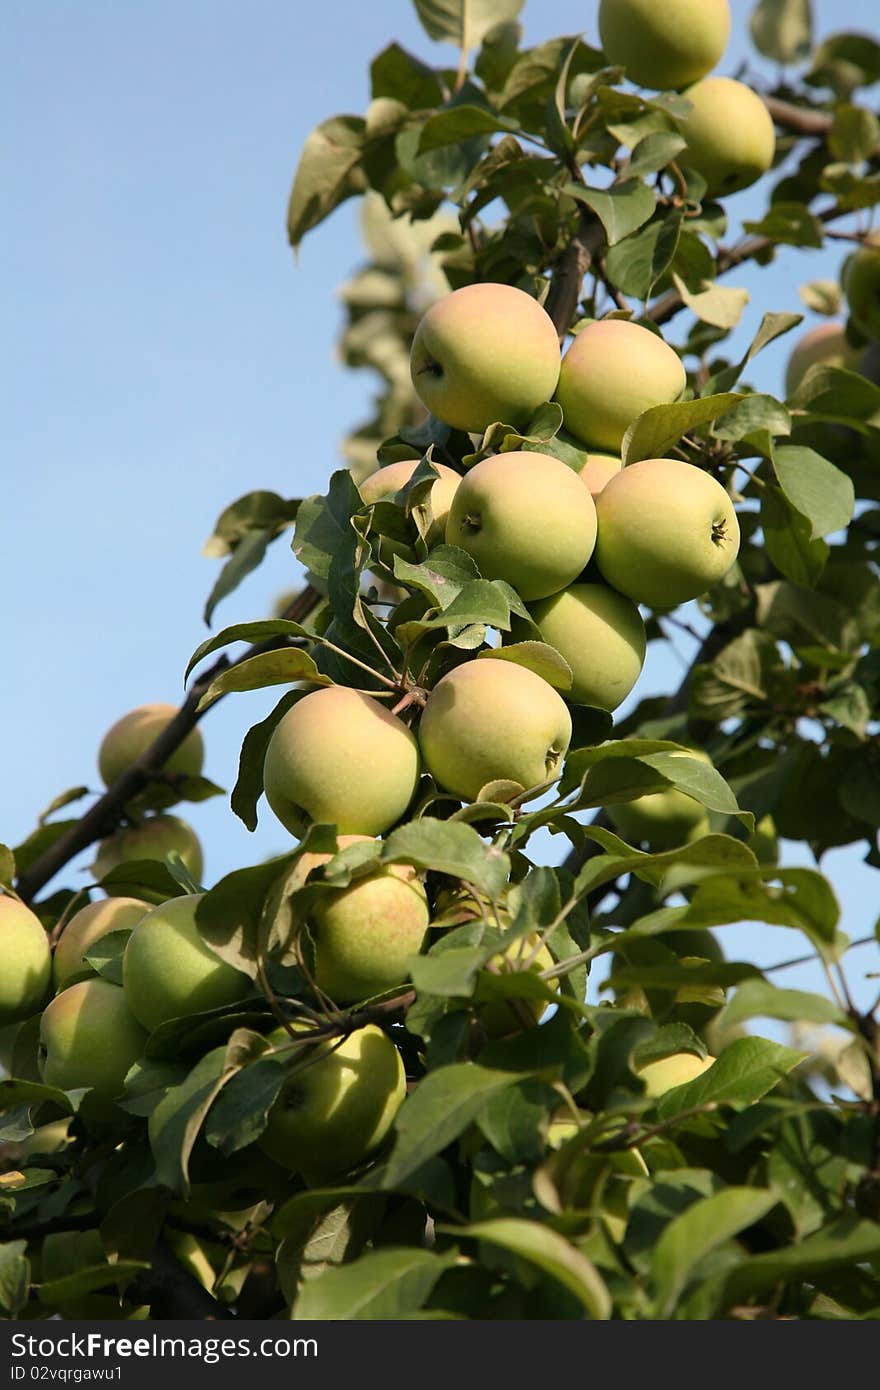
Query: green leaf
[249,784]
[789,542]
[544,660]
[746,1070]
[14,1093]
[551,1252]
[654,152]
[622,208]
[263,631]
[7,866]
[456,123]
[382,1284]
[719,305]
[269,668]
[449,847]
[175,1123]
[328,172]
[445,1102]
[479,601]
[706,1224]
[398,74]
[105,955]
[760,999]
[854,135]
[637,263]
[15,1274]
[230,913]
[834,393]
[657,429]
[247,556]
[782,30]
[87,1280]
[790,224]
[815,488]
[240,1113]
[772,326]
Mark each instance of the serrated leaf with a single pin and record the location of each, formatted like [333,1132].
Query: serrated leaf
[263,631]
[87,1280]
[382,1284]
[654,152]
[269,668]
[457,123]
[789,542]
[746,1070]
[328,172]
[551,1252]
[247,556]
[719,305]
[707,1223]
[815,489]
[544,660]
[449,847]
[229,914]
[249,784]
[637,263]
[239,1116]
[657,429]
[760,999]
[622,208]
[175,1123]
[14,1093]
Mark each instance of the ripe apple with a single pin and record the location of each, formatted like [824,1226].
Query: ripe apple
[340,758]
[664,45]
[613,371]
[85,928]
[385,482]
[500,1017]
[667,532]
[861,285]
[485,353]
[133,734]
[602,637]
[661,1076]
[333,1112]
[598,470]
[490,720]
[525,518]
[154,838]
[168,971]
[664,819]
[25,961]
[89,1037]
[730,136]
[827,345]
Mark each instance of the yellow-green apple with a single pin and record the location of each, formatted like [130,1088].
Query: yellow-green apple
[664,819]
[337,1104]
[827,346]
[154,838]
[861,285]
[490,720]
[597,471]
[365,934]
[729,132]
[25,960]
[502,1016]
[602,637]
[340,758]
[525,518]
[85,928]
[612,372]
[89,1037]
[133,734]
[662,1075]
[664,43]
[667,532]
[385,482]
[168,971]
[485,353]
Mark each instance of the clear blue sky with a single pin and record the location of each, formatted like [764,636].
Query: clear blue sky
[165,354]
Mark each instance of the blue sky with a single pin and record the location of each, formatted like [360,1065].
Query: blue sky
[166,354]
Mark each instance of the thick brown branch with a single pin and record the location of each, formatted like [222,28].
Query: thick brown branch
[798,119]
[107,813]
[568,275]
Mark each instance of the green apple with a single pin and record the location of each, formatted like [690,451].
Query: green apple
[385,482]
[365,934]
[613,371]
[485,353]
[664,819]
[730,136]
[154,838]
[664,43]
[598,470]
[89,1037]
[861,285]
[827,346]
[340,758]
[501,1017]
[85,928]
[336,1105]
[661,1076]
[490,720]
[602,637]
[25,961]
[667,532]
[130,737]
[525,518]
[168,971]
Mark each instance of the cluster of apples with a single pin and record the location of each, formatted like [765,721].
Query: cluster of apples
[673,46]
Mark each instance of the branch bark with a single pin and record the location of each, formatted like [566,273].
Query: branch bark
[107,813]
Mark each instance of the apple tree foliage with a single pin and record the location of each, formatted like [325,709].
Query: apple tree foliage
[752,1191]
